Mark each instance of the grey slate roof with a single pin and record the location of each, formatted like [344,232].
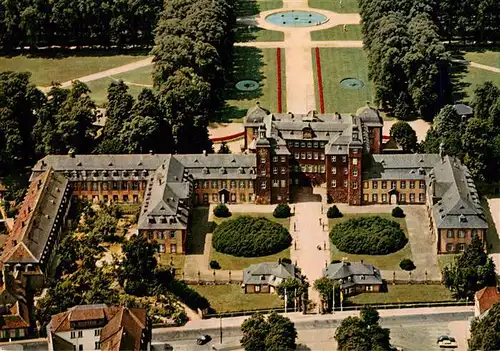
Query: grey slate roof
[370,116]
[271,273]
[353,273]
[219,166]
[463,110]
[398,166]
[455,198]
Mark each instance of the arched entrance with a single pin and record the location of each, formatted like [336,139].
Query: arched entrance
[393,197]
[224,196]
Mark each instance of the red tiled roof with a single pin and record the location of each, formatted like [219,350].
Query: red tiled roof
[18,317]
[487,297]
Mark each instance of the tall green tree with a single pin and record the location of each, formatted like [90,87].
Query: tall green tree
[277,333]
[404,135]
[485,331]
[470,272]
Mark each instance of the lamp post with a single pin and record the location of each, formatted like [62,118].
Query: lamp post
[220,328]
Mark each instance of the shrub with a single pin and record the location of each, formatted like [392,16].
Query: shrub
[222,211]
[329,199]
[214,264]
[286,260]
[282,211]
[407,264]
[398,212]
[333,212]
[248,236]
[368,235]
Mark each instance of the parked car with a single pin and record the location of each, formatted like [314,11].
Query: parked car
[203,339]
[445,341]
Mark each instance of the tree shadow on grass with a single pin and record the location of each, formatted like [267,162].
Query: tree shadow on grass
[492,239]
[200,226]
[458,71]
[247,65]
[245,8]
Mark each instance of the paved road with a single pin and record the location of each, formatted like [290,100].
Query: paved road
[411,331]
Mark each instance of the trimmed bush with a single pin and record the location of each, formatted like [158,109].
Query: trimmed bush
[282,211]
[286,260]
[334,212]
[248,236]
[368,235]
[222,211]
[329,199]
[398,212]
[214,264]
[407,264]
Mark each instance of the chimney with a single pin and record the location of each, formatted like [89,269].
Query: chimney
[205,151]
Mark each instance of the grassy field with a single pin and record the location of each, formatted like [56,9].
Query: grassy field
[245,34]
[171,260]
[237,263]
[136,80]
[46,70]
[230,298]
[337,33]
[405,294]
[342,6]
[252,8]
[476,76]
[337,64]
[444,260]
[259,65]
[385,262]
[489,58]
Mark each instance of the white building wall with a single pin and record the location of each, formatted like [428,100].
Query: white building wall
[87,340]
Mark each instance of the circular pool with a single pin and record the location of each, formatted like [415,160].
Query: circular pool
[247,85]
[296,19]
[352,83]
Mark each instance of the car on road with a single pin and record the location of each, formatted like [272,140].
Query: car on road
[445,341]
[203,339]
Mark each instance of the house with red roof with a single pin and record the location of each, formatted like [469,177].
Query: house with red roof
[485,299]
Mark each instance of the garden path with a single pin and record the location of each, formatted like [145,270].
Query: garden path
[308,236]
[485,67]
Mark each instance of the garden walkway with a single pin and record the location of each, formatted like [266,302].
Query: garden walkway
[308,236]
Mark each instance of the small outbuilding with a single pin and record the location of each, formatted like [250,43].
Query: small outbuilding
[355,277]
[265,277]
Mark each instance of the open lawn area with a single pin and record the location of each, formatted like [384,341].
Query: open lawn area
[234,263]
[46,70]
[487,57]
[252,8]
[405,294]
[245,34]
[384,262]
[259,65]
[136,80]
[353,32]
[337,64]
[476,76]
[230,298]
[347,6]
[173,260]
[445,260]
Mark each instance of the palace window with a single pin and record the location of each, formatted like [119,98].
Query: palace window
[115,185]
[135,185]
[384,197]
[345,170]
[315,155]
[321,156]
[309,156]
[242,184]
[461,234]
[354,185]
[283,159]
[276,183]
[303,168]
[375,184]
[334,158]
[384,184]
[263,172]
[366,185]
[275,170]
[161,235]
[94,185]
[303,155]
[355,172]
[473,233]
[449,247]
[345,184]
[233,184]
[205,197]
[412,197]
[302,144]
[422,184]
[283,170]
[344,159]
[412,184]
[374,197]
[334,170]
[322,168]
[309,144]
[393,184]
[461,247]
[297,155]
[402,197]
[315,168]
[104,186]
[263,185]
[421,197]
[242,197]
[449,234]
[296,144]
[161,248]
[315,144]
[309,168]
[355,161]
[275,158]
[215,198]
[403,184]
[173,248]
[334,183]
[283,183]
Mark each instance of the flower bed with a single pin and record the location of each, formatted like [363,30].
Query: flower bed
[320,82]
[278,65]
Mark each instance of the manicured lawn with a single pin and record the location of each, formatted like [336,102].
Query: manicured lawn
[198,230]
[259,65]
[171,260]
[140,76]
[337,64]
[384,262]
[347,6]
[245,34]
[234,263]
[405,294]
[337,33]
[230,298]
[46,70]
[489,58]
[251,8]
[445,260]
[475,76]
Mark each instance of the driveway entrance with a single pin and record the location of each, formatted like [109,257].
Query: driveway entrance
[224,196]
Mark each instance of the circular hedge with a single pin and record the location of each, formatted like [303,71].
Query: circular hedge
[368,235]
[248,236]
